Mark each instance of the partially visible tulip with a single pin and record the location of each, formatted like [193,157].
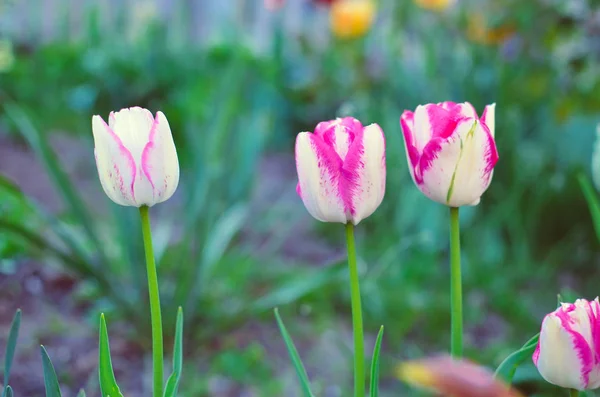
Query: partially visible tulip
[341,170]
[567,354]
[136,157]
[449,377]
[434,5]
[352,18]
[451,151]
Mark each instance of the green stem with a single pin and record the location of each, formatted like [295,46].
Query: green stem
[357,323]
[574,393]
[157,335]
[455,286]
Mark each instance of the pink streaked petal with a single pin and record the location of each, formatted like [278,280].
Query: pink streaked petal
[363,185]
[159,163]
[489,118]
[116,166]
[456,171]
[319,172]
[407,122]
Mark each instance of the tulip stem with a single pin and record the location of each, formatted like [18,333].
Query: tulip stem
[455,286]
[155,316]
[357,322]
[574,393]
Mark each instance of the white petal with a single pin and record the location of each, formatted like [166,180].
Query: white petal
[558,361]
[159,161]
[370,184]
[422,128]
[318,181]
[457,171]
[489,118]
[116,166]
[133,127]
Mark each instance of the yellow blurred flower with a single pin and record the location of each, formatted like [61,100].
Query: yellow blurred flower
[449,377]
[7,57]
[352,18]
[434,5]
[478,30]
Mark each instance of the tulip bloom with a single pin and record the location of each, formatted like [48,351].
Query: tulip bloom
[449,377]
[351,19]
[341,170]
[451,151]
[136,157]
[567,351]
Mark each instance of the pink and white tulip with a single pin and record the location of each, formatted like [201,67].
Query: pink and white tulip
[136,157]
[568,351]
[451,151]
[341,170]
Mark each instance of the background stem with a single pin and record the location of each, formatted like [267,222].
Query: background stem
[574,393]
[357,322]
[455,286]
[157,335]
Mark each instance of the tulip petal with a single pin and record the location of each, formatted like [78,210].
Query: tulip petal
[116,166]
[363,184]
[563,357]
[338,133]
[464,160]
[319,172]
[489,118]
[159,160]
[133,127]
[407,121]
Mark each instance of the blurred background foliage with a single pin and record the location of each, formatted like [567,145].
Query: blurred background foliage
[235,242]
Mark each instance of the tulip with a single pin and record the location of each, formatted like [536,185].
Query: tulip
[136,157]
[567,353]
[351,18]
[341,170]
[449,377]
[451,151]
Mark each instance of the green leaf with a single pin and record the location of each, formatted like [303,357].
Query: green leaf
[300,371]
[108,383]
[8,391]
[50,380]
[11,345]
[375,365]
[81,393]
[506,370]
[592,199]
[173,381]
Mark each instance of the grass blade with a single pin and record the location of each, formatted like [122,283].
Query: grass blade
[374,389]
[81,393]
[300,370]
[108,383]
[592,199]
[11,345]
[173,381]
[50,379]
[8,391]
[506,370]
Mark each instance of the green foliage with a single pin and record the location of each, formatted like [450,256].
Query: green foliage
[11,345]
[374,385]
[50,379]
[108,383]
[173,381]
[295,357]
[508,367]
